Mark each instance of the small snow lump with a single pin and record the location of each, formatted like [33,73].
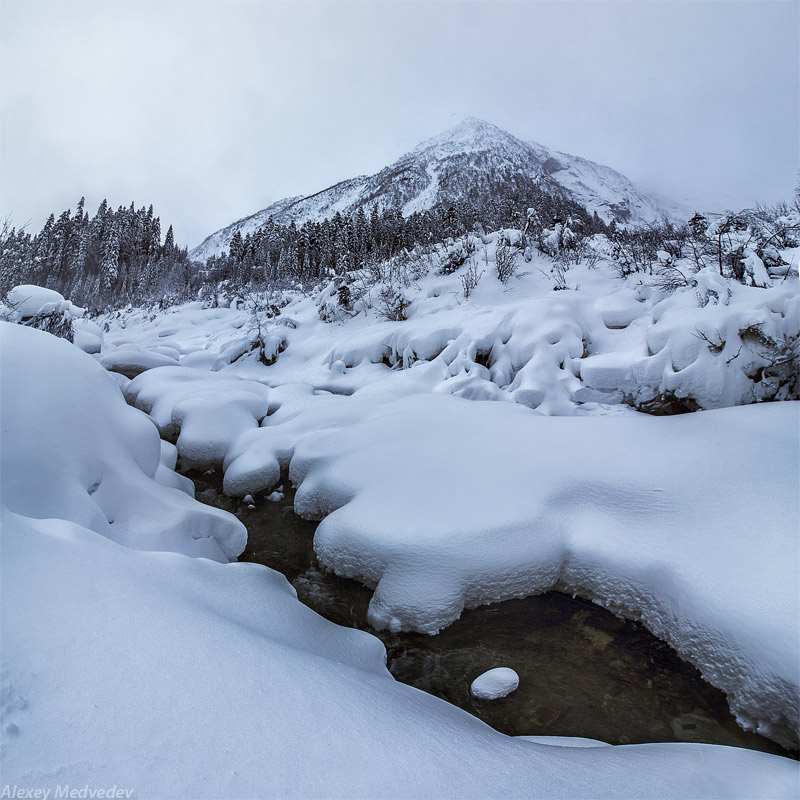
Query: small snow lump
[495,683]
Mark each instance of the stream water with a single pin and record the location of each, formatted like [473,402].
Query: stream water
[583,671]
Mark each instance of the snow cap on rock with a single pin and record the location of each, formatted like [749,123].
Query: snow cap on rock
[495,683]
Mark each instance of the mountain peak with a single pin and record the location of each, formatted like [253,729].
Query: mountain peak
[467,133]
[468,124]
[472,158]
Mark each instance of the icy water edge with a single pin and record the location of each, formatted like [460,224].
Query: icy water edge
[583,671]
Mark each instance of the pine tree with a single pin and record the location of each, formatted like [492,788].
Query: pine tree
[109,264]
[169,242]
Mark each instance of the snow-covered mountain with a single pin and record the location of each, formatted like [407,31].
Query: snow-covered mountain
[465,161]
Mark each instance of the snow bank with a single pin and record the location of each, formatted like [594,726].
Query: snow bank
[73,449]
[682,522]
[178,677]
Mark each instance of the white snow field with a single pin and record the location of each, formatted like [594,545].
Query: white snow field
[170,675]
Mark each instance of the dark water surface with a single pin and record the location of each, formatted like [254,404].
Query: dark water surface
[583,671]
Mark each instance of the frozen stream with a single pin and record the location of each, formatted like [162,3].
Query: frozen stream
[583,671]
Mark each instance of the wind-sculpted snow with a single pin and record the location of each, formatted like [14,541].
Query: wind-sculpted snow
[682,522]
[72,449]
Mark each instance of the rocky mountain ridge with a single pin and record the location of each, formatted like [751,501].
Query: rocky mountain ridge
[465,163]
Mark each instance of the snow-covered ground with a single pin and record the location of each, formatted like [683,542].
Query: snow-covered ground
[173,676]
[601,340]
[472,452]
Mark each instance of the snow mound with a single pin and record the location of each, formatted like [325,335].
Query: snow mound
[88,335]
[659,519]
[131,360]
[74,450]
[27,301]
[205,412]
[494,683]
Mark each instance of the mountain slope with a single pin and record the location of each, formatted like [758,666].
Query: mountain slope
[465,162]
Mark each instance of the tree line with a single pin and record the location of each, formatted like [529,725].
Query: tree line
[112,257]
[275,252]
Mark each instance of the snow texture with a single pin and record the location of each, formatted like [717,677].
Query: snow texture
[73,450]
[495,683]
[174,676]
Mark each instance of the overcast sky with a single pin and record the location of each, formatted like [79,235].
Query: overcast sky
[212,110]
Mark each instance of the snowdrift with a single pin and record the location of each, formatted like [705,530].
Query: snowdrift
[73,449]
[174,676]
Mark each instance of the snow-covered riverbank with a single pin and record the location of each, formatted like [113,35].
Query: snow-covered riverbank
[131,657]
[178,676]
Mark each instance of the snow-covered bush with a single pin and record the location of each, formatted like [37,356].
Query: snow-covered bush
[266,342]
[335,301]
[470,279]
[392,303]
[44,309]
[455,258]
[637,251]
[774,365]
[344,297]
[563,236]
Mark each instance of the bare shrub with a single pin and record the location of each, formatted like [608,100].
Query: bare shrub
[505,260]
[470,279]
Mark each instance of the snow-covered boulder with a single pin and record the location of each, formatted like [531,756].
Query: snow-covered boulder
[88,335]
[494,683]
[131,360]
[206,412]
[26,301]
